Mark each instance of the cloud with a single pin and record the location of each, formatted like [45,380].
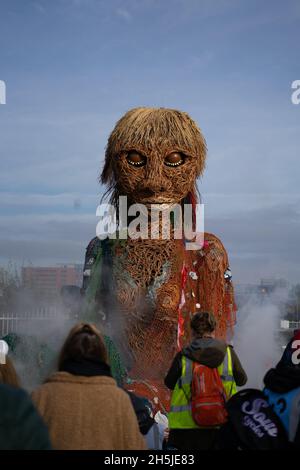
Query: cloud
[46,239]
[261,242]
[124,14]
[223,63]
[222,204]
[201,60]
[18,203]
[39,7]
[42,252]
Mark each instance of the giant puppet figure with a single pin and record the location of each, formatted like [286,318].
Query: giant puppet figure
[148,289]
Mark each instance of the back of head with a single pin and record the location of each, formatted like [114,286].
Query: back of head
[203,323]
[291,355]
[8,374]
[84,342]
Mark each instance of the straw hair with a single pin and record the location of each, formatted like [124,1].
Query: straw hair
[148,130]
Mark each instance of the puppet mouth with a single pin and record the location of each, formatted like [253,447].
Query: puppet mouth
[157,200]
[147,196]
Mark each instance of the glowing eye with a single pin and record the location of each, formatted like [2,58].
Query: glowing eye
[136,159]
[174,159]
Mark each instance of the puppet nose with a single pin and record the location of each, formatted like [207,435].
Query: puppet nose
[155,181]
[154,187]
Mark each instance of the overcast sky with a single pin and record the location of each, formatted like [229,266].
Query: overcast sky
[73,67]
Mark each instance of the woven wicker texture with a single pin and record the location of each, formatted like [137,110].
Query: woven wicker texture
[158,284]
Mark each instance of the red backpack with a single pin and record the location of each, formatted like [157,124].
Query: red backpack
[208,396]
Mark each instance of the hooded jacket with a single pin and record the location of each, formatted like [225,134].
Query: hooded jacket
[284,378]
[207,351]
[286,375]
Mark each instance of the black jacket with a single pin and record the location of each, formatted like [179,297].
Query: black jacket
[286,375]
[209,352]
[21,427]
[142,412]
[284,378]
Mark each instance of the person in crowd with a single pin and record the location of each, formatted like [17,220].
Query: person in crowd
[152,427]
[282,388]
[82,404]
[8,374]
[21,427]
[219,359]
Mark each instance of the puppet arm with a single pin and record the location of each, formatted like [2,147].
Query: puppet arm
[216,291]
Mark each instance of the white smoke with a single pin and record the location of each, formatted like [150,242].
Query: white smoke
[257,339]
[42,327]
[35,330]
[39,342]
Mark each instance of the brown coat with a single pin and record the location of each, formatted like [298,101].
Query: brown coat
[87,413]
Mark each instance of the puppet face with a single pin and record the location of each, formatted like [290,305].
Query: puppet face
[154,156]
[161,175]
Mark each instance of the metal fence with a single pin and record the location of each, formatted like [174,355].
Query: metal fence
[11,322]
[289,325]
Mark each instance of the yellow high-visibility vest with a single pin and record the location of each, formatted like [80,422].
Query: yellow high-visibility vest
[180,415]
[226,373]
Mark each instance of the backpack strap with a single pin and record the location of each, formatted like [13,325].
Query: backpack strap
[226,373]
[227,366]
[156,436]
[187,371]
[186,376]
